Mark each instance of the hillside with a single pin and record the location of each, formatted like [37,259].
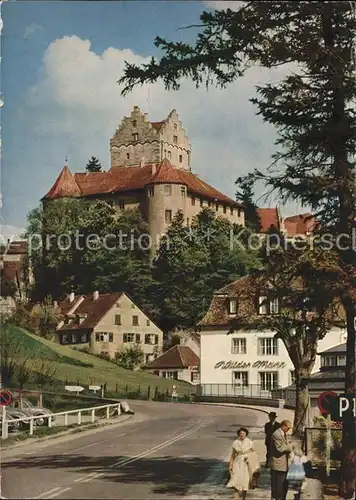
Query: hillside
[74,366]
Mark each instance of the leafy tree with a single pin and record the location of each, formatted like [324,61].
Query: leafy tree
[311,109]
[130,357]
[245,194]
[8,287]
[44,318]
[93,165]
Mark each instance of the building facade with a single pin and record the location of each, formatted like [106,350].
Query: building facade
[246,361]
[150,171]
[106,323]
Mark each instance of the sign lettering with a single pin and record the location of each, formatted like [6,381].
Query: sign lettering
[226,365]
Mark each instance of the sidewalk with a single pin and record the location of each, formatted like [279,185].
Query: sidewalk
[282,413]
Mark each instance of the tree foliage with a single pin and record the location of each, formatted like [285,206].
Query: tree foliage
[130,357]
[93,165]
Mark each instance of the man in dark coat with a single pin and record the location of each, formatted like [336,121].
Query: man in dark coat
[270,427]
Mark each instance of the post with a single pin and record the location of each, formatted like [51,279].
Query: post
[4,428]
[328,444]
[116,388]
[50,421]
[93,415]
[66,419]
[79,417]
[31,427]
[108,412]
[118,409]
[102,390]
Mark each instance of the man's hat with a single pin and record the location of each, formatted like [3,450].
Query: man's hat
[272,414]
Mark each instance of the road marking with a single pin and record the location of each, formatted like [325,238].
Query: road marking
[44,495]
[158,447]
[61,490]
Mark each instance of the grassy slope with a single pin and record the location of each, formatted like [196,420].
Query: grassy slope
[76,366]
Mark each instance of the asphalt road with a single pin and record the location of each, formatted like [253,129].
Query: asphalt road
[166,451]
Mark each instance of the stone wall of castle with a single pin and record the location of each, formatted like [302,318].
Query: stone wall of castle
[174,143]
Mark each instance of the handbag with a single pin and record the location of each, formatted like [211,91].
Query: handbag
[296,471]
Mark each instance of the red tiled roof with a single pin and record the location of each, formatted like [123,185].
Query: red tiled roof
[131,178]
[178,356]
[65,185]
[300,224]
[94,309]
[14,248]
[268,218]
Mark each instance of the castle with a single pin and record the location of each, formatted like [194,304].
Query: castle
[150,170]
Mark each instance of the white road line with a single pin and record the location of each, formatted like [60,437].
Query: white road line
[126,461]
[44,495]
[61,490]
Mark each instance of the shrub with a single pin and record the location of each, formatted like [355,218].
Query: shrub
[130,357]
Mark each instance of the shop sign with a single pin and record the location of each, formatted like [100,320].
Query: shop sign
[267,365]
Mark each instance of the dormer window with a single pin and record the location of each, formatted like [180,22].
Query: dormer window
[262,304]
[232,306]
[266,306]
[134,123]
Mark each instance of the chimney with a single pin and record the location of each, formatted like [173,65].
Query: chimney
[71,297]
[154,168]
[95,295]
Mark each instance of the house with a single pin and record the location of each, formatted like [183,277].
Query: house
[296,226]
[247,361]
[150,170]
[14,266]
[180,362]
[106,322]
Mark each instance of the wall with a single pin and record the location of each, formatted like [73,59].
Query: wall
[216,346]
[122,144]
[126,308]
[334,337]
[171,150]
[192,210]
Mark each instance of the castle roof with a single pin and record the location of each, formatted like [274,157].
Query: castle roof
[299,224]
[120,179]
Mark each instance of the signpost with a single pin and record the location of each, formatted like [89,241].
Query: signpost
[5,398]
[174,393]
[74,388]
[94,388]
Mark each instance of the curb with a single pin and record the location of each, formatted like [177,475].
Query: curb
[230,405]
[74,432]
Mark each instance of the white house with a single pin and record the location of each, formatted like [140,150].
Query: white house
[247,361]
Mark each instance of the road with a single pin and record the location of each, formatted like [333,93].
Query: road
[166,451]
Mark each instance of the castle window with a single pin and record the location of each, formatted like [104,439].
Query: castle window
[175,139]
[168,216]
[182,191]
[134,123]
[175,126]
[135,136]
[169,155]
[167,190]
[127,156]
[193,201]
[151,191]
[180,158]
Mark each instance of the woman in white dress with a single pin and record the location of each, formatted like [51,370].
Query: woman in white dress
[238,467]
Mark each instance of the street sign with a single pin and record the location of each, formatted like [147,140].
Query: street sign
[94,388]
[5,398]
[74,388]
[327,402]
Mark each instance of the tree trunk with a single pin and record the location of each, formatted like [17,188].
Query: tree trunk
[302,402]
[348,474]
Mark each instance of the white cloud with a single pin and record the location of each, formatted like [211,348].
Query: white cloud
[222,4]
[11,233]
[32,29]
[76,106]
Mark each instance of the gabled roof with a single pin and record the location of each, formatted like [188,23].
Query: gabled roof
[121,179]
[301,224]
[268,217]
[337,349]
[14,248]
[178,356]
[94,310]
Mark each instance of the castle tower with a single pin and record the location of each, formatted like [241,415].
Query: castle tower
[137,138]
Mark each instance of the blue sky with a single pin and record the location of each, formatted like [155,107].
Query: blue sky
[60,64]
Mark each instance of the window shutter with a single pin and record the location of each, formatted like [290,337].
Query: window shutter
[138,338]
[156,339]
